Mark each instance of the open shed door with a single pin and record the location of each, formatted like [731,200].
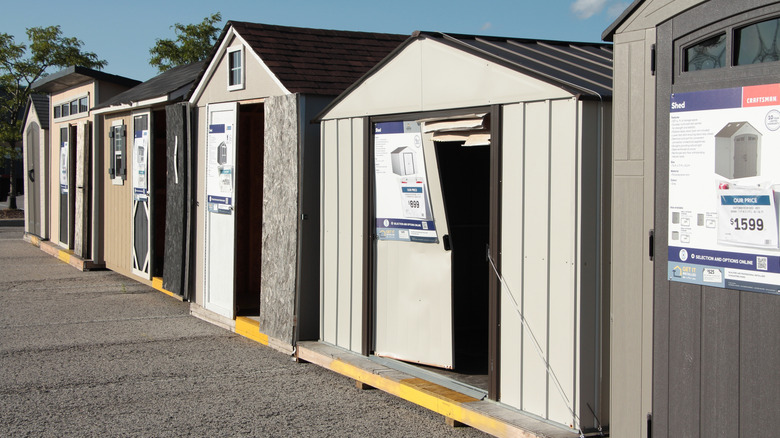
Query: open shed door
[220,218]
[413,268]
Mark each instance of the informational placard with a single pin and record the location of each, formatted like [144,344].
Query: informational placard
[64,167]
[219,174]
[140,165]
[403,206]
[724,188]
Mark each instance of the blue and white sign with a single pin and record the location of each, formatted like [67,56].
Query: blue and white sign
[219,174]
[403,207]
[724,188]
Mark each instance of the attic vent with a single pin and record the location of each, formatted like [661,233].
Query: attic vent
[471,129]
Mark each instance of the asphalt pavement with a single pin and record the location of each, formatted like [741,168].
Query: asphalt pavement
[98,354]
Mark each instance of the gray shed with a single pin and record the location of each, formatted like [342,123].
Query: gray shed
[484,260]
[690,336]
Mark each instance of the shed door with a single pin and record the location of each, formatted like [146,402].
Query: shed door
[33,191]
[413,278]
[64,175]
[716,309]
[141,213]
[220,219]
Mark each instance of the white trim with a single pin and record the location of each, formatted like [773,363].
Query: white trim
[133,105]
[209,72]
[71,117]
[242,82]
[264,66]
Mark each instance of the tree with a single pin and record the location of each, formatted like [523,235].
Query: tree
[19,70]
[193,43]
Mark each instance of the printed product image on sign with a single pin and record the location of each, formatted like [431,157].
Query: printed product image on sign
[724,188]
[403,208]
[219,179]
[141,154]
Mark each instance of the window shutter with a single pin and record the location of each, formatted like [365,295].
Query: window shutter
[111,152]
[123,152]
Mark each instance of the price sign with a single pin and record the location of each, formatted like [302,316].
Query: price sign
[413,198]
[748,217]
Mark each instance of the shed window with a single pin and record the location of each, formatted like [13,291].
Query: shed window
[56,112]
[707,54]
[65,110]
[83,104]
[235,68]
[757,43]
[117,140]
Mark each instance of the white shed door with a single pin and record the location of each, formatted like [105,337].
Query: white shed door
[414,286]
[220,203]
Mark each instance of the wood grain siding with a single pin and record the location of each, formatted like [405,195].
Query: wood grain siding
[117,205]
[632,213]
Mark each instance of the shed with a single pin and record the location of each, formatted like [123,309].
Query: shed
[691,336]
[35,144]
[258,172]
[144,151]
[484,260]
[73,228]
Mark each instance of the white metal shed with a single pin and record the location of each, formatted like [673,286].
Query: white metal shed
[489,259]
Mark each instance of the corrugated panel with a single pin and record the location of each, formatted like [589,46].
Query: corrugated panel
[585,68]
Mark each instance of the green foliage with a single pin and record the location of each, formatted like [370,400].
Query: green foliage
[193,43]
[19,69]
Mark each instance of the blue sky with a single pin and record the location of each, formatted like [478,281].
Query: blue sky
[123,35]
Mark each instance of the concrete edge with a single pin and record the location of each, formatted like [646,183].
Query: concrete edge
[64,255]
[488,416]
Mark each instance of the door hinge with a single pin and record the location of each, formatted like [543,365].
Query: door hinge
[652,60]
[651,243]
[649,425]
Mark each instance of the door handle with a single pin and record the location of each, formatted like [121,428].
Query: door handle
[447,243]
[31,174]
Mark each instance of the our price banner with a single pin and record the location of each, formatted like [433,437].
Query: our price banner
[724,187]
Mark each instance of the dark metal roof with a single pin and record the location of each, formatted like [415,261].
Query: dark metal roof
[76,75]
[314,61]
[173,84]
[609,32]
[582,68]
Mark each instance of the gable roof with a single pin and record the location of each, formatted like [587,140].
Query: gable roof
[609,32]
[312,61]
[40,104]
[169,86]
[77,75]
[582,68]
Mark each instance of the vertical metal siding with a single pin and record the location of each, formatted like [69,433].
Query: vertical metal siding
[536,250]
[358,149]
[345,229]
[330,223]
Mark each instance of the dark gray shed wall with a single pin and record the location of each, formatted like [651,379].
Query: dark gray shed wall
[715,350]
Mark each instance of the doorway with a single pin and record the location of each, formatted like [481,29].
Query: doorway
[249,218]
[33,180]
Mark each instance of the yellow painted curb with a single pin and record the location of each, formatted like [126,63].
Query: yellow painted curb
[249,328]
[157,284]
[35,240]
[64,256]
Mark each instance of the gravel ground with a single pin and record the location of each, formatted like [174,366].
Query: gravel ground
[97,354]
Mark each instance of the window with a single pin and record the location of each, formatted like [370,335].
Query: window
[72,107]
[707,54]
[757,43]
[235,68]
[118,147]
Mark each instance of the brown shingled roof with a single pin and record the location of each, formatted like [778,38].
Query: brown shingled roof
[316,61]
